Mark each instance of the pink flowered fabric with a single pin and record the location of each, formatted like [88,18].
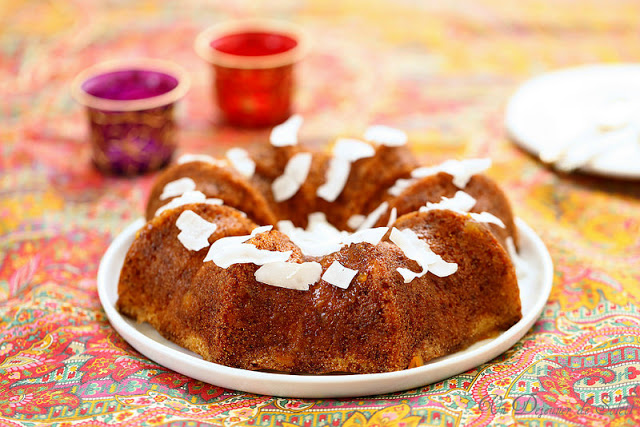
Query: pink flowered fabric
[442,71]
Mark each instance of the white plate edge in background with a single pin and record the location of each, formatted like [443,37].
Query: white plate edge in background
[518,129]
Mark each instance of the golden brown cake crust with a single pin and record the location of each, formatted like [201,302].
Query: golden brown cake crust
[489,198]
[271,163]
[369,177]
[479,300]
[215,182]
[378,324]
[158,268]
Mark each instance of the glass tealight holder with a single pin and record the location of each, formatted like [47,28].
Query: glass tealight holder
[253,67]
[130,107]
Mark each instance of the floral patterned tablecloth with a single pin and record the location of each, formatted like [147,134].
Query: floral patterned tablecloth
[441,72]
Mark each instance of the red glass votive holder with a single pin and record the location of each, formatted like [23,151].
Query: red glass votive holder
[253,64]
[130,109]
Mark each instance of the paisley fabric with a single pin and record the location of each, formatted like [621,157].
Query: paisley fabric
[443,72]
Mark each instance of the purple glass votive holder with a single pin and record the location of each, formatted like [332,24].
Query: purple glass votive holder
[130,110]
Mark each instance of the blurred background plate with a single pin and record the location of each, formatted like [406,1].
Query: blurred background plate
[555,107]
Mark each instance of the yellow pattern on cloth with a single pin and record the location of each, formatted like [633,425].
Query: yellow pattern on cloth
[443,72]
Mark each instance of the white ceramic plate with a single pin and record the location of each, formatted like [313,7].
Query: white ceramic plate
[553,107]
[534,291]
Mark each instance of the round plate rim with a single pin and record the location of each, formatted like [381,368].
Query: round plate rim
[319,386]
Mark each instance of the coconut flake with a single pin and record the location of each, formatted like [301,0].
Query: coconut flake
[487,217]
[287,227]
[392,217]
[385,135]
[339,275]
[355,221]
[221,245]
[177,188]
[188,198]
[205,158]
[260,230]
[289,275]
[352,149]
[318,224]
[336,178]
[461,170]
[233,250]
[413,247]
[194,230]
[443,268]
[295,173]
[318,239]
[286,133]
[245,253]
[374,216]
[315,247]
[321,238]
[400,185]
[345,152]
[462,203]
[240,160]
[417,249]
[368,235]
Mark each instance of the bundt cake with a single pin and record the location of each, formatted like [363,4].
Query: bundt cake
[350,261]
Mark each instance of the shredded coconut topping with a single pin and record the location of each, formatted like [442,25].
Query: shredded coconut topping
[187,198]
[462,203]
[177,188]
[321,238]
[352,149]
[275,270]
[222,243]
[205,158]
[245,253]
[286,133]
[232,250]
[355,221]
[336,178]
[385,135]
[400,185]
[460,170]
[295,173]
[368,235]
[374,216]
[345,152]
[393,216]
[487,218]
[240,160]
[417,249]
[289,274]
[194,230]
[339,275]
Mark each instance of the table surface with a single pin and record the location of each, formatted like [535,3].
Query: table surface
[441,72]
